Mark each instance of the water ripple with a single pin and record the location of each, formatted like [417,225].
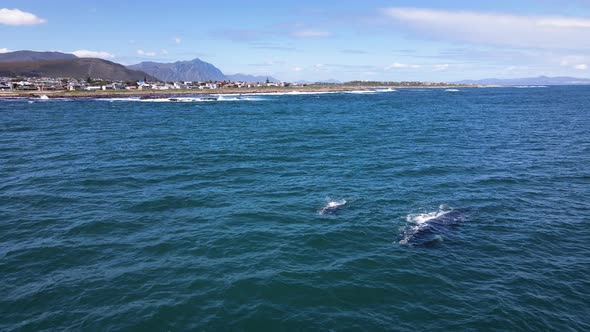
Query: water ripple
[174,216]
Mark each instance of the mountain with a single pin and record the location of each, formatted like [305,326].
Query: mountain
[329,81]
[541,80]
[77,68]
[57,64]
[251,78]
[194,70]
[20,56]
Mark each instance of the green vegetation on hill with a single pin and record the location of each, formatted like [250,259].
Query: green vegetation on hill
[20,56]
[80,68]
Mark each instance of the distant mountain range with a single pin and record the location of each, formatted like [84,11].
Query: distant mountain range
[57,64]
[194,70]
[20,56]
[251,78]
[541,80]
[80,68]
[329,81]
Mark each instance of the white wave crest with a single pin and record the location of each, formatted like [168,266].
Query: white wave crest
[360,91]
[291,93]
[238,98]
[182,99]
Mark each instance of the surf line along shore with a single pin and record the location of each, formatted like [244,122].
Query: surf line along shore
[173,93]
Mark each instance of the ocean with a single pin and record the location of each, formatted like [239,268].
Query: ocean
[411,210]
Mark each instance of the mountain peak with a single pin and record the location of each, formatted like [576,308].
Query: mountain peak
[26,56]
[192,70]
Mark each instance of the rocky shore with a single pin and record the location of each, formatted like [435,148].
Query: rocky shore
[176,93]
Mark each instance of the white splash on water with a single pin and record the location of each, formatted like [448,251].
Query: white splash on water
[420,218]
[419,221]
[332,206]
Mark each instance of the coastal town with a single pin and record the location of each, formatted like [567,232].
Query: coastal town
[98,86]
[72,84]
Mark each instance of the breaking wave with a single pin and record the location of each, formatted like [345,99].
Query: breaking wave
[291,93]
[183,99]
[385,90]
[360,91]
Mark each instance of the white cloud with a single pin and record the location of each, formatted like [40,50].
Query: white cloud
[18,17]
[177,40]
[164,52]
[298,69]
[563,22]
[578,62]
[544,32]
[435,67]
[93,54]
[144,53]
[4,50]
[440,67]
[573,59]
[401,66]
[310,33]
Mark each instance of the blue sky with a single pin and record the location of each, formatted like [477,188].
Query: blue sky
[317,40]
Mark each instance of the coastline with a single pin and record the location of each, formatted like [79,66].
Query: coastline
[223,91]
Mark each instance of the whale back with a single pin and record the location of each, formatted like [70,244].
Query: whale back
[431,229]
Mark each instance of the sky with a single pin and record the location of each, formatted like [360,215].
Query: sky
[317,40]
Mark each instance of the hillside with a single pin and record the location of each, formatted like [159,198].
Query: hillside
[193,70]
[22,56]
[76,68]
[57,64]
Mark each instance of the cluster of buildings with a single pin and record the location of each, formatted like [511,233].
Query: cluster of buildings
[71,84]
[31,84]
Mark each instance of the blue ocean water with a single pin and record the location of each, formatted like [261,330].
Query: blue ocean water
[170,216]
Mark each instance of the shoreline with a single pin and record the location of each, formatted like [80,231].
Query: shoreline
[228,91]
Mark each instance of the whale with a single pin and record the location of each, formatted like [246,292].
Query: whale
[430,229]
[332,207]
